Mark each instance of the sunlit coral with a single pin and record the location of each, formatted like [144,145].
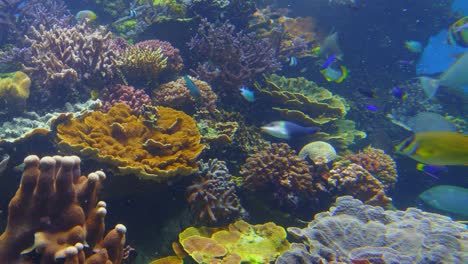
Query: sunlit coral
[168,145]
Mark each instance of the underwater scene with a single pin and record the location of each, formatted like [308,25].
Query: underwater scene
[234,131]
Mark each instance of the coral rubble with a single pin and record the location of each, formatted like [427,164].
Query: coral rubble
[56,210]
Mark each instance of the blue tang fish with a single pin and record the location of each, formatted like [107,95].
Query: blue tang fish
[193,88]
[287,130]
[448,198]
[247,94]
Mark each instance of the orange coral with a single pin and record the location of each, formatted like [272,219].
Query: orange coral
[299,27]
[165,146]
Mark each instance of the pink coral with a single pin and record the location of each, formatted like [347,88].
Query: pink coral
[135,98]
[175,64]
[176,95]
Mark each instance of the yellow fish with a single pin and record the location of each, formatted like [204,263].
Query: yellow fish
[436,148]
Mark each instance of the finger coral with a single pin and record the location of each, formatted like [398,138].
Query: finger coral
[156,145]
[56,210]
[212,196]
[176,94]
[353,232]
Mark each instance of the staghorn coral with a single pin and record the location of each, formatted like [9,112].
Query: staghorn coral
[128,95]
[240,242]
[57,210]
[303,101]
[212,196]
[377,163]
[352,179]
[142,65]
[164,146]
[175,64]
[235,58]
[353,232]
[278,168]
[77,56]
[176,94]
[14,91]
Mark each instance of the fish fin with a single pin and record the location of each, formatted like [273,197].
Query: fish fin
[429,86]
[323,72]
[344,74]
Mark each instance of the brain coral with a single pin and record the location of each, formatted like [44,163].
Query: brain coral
[165,146]
[352,232]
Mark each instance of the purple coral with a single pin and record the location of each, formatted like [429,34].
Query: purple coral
[212,196]
[234,57]
[124,94]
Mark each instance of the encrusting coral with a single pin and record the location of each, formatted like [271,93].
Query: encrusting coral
[160,143]
[56,214]
[212,196]
[14,90]
[353,232]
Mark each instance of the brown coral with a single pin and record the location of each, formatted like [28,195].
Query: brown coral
[175,64]
[352,179]
[167,145]
[176,94]
[379,164]
[56,210]
[142,65]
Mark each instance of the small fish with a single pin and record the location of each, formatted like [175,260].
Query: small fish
[431,170]
[372,108]
[4,162]
[287,130]
[248,95]
[399,93]
[192,87]
[367,92]
[458,33]
[328,62]
[82,15]
[292,61]
[333,75]
[436,148]
[413,46]
[447,198]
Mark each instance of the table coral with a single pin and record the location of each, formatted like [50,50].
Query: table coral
[14,90]
[379,164]
[353,232]
[304,102]
[352,179]
[176,94]
[212,196]
[154,149]
[56,210]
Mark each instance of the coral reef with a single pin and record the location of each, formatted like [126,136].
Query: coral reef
[14,91]
[158,144]
[352,179]
[142,65]
[70,57]
[278,168]
[304,102]
[353,232]
[128,95]
[318,151]
[212,196]
[176,94]
[56,209]
[175,64]
[240,242]
[377,163]
[235,58]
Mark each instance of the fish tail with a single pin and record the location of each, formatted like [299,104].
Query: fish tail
[312,130]
[344,74]
[429,86]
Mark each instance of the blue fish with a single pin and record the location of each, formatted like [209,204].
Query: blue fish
[247,94]
[448,198]
[372,108]
[193,88]
[287,130]
[431,170]
[399,93]
[328,62]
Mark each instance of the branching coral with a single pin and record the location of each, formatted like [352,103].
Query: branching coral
[175,64]
[278,169]
[128,95]
[176,94]
[379,164]
[56,209]
[235,57]
[213,197]
[353,232]
[155,145]
[76,56]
